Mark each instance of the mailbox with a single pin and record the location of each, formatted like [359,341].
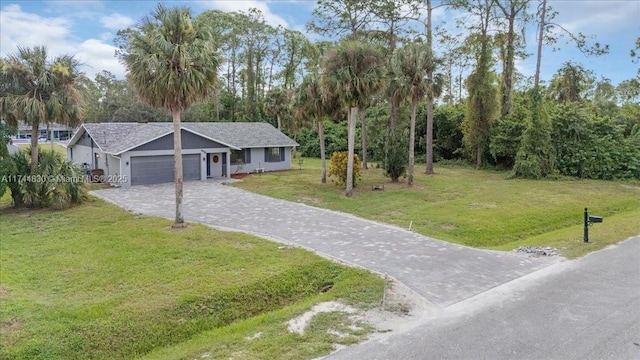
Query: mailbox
[595,219]
[588,220]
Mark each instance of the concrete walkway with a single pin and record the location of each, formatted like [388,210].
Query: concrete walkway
[441,272]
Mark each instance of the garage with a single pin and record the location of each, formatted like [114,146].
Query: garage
[147,170]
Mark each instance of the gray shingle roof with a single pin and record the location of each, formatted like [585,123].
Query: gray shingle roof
[119,137]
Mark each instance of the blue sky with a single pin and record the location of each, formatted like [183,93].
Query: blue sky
[87,28]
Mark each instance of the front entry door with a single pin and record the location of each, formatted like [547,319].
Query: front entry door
[216,165]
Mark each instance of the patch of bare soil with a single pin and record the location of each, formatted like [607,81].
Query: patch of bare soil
[310,199]
[448,226]
[4,293]
[478,206]
[9,331]
[393,213]
[178,227]
[400,311]
[631,187]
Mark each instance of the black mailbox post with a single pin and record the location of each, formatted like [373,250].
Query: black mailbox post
[588,220]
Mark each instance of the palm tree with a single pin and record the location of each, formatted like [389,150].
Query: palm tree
[172,64]
[312,100]
[357,71]
[276,104]
[410,65]
[38,92]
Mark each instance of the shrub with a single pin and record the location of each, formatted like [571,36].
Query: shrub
[396,160]
[57,183]
[338,168]
[5,161]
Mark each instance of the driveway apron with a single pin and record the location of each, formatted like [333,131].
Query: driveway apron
[441,272]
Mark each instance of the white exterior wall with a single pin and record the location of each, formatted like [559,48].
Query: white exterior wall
[257,162]
[112,169]
[81,154]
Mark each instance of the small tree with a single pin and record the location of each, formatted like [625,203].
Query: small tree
[338,168]
[535,157]
[396,161]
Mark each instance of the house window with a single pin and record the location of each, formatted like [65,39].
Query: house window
[274,154]
[239,157]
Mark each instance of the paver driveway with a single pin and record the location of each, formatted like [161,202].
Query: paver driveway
[441,272]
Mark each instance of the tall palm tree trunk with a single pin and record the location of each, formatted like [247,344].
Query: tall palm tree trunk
[35,133]
[543,14]
[412,139]
[323,157]
[429,25]
[353,118]
[50,134]
[177,148]
[429,169]
[363,137]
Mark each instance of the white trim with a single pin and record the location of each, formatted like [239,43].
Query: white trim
[269,146]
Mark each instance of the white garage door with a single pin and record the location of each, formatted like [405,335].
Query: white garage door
[146,170]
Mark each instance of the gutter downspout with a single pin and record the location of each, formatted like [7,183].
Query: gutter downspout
[119,175]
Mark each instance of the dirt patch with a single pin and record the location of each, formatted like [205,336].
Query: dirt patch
[448,227]
[478,206]
[631,187]
[393,213]
[4,293]
[310,199]
[300,323]
[9,331]
[178,227]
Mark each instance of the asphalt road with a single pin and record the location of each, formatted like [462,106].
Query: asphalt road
[583,309]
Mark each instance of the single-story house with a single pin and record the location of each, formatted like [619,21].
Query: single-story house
[142,153]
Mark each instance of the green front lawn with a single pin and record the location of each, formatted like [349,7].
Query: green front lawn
[97,282]
[480,208]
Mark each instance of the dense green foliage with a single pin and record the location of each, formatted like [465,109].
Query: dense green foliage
[5,162]
[57,182]
[582,143]
[594,147]
[395,156]
[535,157]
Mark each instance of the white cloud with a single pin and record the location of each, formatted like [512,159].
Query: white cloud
[598,17]
[99,56]
[20,28]
[244,6]
[24,29]
[116,21]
